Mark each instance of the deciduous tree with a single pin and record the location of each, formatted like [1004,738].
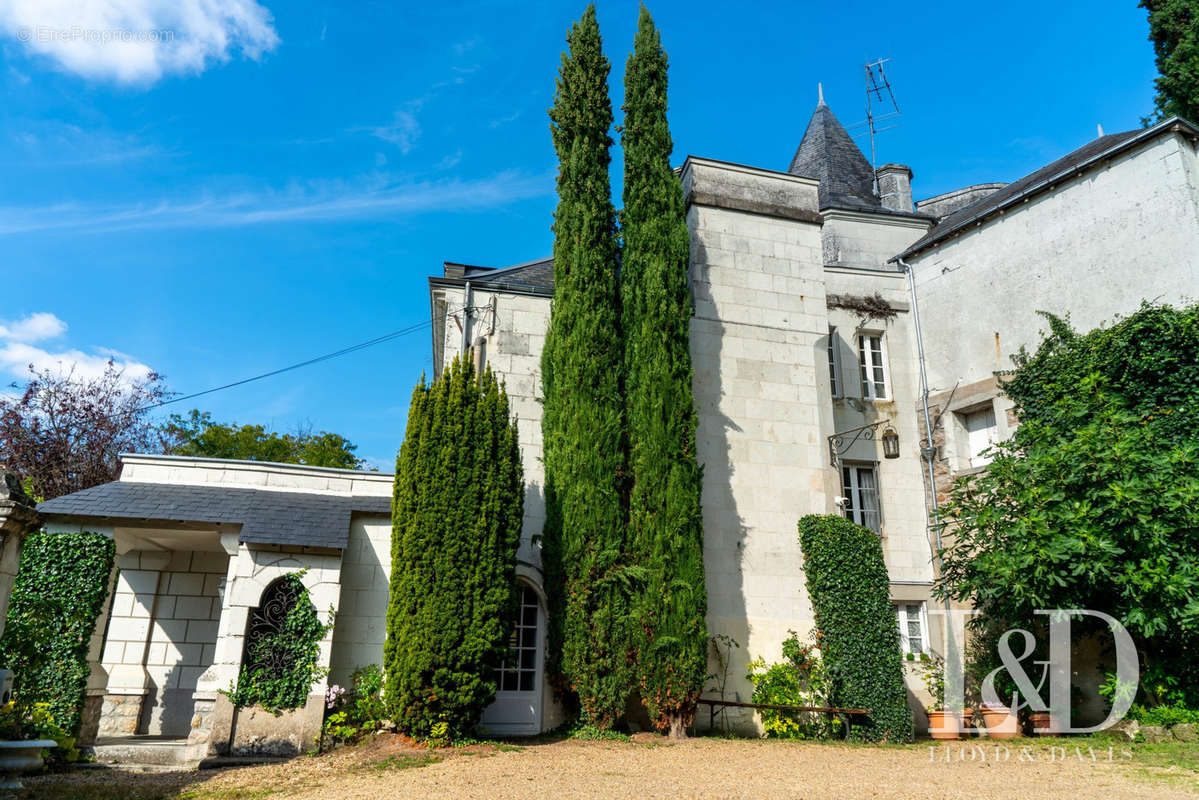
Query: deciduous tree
[198,435]
[1094,503]
[63,430]
[1174,31]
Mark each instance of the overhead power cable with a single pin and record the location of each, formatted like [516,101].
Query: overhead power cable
[344,351]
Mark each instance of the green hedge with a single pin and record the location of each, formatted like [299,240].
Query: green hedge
[59,592]
[850,592]
[456,521]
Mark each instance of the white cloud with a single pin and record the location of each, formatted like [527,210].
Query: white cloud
[139,41]
[315,203]
[34,328]
[403,131]
[17,353]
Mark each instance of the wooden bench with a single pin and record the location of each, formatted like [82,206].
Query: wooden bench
[847,715]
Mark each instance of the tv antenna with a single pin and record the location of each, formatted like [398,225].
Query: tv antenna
[880,107]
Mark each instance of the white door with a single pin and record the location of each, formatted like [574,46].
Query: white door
[516,710]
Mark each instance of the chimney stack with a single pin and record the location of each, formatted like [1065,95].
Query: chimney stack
[895,187]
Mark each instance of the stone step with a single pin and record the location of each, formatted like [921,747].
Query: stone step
[135,752]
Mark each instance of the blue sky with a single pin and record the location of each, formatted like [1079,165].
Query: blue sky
[217,189]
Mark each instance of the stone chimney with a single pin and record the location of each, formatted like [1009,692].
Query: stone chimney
[895,187]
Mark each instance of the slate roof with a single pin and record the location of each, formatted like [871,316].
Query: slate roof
[267,517]
[531,276]
[1104,146]
[828,154]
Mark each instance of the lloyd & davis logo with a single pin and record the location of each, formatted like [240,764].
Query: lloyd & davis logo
[1017,649]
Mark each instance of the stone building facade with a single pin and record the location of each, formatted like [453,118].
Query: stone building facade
[805,350]
[803,330]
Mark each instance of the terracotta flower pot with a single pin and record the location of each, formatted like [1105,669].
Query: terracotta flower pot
[1044,723]
[968,728]
[943,725]
[1001,723]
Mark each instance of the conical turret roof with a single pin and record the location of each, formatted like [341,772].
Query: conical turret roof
[828,154]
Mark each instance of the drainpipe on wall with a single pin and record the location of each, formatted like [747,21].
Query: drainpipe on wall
[466,319]
[929,451]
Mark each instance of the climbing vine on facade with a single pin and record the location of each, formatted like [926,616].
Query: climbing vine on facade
[61,586]
[849,587]
[282,648]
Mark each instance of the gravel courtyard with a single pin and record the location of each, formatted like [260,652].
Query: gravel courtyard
[698,768]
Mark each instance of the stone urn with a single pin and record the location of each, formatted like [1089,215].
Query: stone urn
[20,756]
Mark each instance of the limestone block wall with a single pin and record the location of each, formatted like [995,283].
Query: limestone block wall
[901,482]
[514,336]
[162,630]
[760,317]
[857,239]
[362,606]
[1096,246]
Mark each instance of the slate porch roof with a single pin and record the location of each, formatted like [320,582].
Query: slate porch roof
[267,517]
[536,277]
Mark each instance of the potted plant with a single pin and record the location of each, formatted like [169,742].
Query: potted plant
[943,724]
[1000,722]
[20,748]
[1044,723]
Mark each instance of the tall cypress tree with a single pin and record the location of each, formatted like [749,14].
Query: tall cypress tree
[583,436]
[1174,31]
[665,521]
[457,512]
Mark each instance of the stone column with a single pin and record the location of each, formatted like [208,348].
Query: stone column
[18,517]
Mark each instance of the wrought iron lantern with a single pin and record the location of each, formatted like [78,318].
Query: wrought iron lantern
[890,443]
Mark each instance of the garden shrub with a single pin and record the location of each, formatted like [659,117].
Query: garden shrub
[59,592]
[457,514]
[850,593]
[1163,715]
[801,679]
[350,714]
[280,661]
[1094,502]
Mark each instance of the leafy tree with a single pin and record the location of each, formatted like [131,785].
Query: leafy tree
[850,592]
[456,522]
[1094,503]
[197,435]
[63,431]
[1174,31]
[582,426]
[665,520]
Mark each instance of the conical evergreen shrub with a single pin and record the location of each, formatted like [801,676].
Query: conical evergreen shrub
[457,510]
[584,546]
[665,520]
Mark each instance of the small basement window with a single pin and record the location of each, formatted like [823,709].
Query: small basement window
[981,432]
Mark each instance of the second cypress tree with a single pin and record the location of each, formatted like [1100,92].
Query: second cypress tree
[584,544]
[665,520]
